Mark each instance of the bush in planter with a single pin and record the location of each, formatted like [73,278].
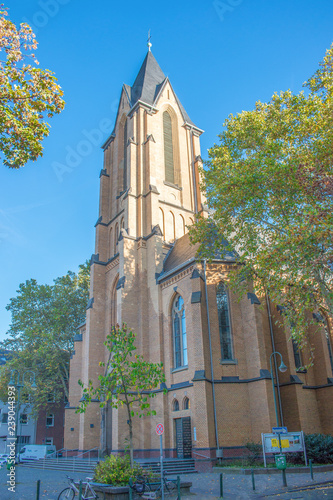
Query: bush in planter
[116,471]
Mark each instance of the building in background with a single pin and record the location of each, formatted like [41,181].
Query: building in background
[48,428]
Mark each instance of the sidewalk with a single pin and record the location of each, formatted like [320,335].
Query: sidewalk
[205,486]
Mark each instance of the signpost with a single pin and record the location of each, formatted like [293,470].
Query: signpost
[159,432]
[279,430]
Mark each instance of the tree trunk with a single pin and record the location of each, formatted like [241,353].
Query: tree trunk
[130,436]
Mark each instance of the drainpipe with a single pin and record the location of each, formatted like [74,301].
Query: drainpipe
[211,359]
[275,364]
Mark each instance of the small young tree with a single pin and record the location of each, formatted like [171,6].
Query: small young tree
[128,380]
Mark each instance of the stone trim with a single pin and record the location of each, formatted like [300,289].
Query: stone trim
[103,172]
[114,262]
[324,386]
[179,275]
[199,375]
[90,303]
[179,207]
[179,369]
[254,299]
[175,186]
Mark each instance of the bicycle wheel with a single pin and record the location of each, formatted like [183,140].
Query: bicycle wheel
[139,489]
[170,488]
[67,494]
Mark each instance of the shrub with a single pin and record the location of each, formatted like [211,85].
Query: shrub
[319,449]
[116,470]
[255,453]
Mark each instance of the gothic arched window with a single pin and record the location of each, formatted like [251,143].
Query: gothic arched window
[125,157]
[168,148]
[297,354]
[179,332]
[175,406]
[224,321]
[186,403]
[329,344]
[116,236]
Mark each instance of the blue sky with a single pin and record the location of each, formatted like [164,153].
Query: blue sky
[221,57]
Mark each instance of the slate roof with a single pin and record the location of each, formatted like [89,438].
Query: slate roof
[148,84]
[183,251]
[149,79]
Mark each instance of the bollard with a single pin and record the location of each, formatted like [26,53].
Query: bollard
[221,485]
[253,483]
[80,490]
[130,489]
[311,470]
[178,488]
[38,489]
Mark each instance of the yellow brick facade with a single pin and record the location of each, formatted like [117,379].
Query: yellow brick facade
[141,216]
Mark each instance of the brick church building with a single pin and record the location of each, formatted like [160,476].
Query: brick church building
[215,349]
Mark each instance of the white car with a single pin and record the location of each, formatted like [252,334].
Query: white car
[3,459]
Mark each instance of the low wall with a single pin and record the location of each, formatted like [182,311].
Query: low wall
[122,492]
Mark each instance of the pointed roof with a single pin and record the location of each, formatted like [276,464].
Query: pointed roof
[148,81]
[147,87]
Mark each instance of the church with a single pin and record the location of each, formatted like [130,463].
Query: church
[216,350]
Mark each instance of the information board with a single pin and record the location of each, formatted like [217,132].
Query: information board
[291,442]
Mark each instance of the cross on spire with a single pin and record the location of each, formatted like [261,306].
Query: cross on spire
[149,43]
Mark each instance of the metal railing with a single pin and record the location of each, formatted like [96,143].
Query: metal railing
[79,455]
[200,455]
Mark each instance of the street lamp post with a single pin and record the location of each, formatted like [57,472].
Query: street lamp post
[282,369]
[15,382]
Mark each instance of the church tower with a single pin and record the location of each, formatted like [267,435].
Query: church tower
[149,194]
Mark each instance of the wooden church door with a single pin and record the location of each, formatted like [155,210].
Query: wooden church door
[183,437]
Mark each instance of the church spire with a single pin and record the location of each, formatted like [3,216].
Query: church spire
[149,42]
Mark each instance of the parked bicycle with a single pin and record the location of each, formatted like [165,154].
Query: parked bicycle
[145,488]
[88,492]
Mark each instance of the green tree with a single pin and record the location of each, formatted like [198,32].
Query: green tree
[44,321]
[269,184]
[28,95]
[128,380]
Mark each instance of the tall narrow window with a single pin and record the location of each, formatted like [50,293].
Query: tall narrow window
[111,249]
[179,332]
[125,157]
[297,354]
[116,236]
[224,321]
[168,148]
[329,345]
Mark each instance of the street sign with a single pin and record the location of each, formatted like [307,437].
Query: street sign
[159,429]
[279,430]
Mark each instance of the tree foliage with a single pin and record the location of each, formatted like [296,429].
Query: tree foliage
[269,184]
[129,381]
[28,94]
[44,321]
